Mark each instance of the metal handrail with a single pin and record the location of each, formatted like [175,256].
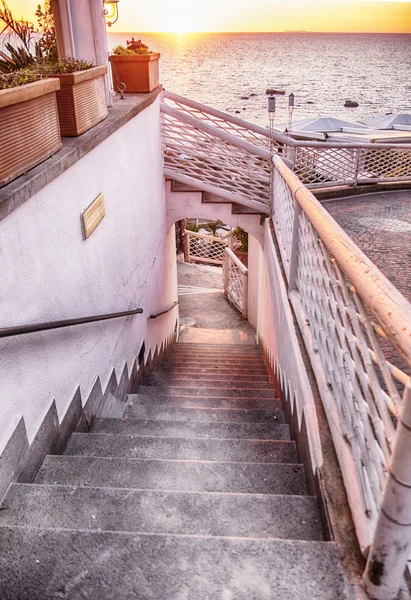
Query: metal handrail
[163,312]
[33,328]
[219,114]
[281,138]
[384,300]
[215,131]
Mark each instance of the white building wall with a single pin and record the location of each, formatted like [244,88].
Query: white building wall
[48,272]
[254,252]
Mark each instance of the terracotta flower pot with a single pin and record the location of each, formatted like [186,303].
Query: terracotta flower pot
[139,72]
[81,101]
[29,127]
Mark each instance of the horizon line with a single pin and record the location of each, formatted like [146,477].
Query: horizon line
[263,32]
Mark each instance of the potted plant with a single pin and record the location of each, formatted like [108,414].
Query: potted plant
[29,125]
[134,68]
[81,99]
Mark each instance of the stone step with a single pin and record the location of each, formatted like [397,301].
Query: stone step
[45,564]
[202,402]
[211,371]
[215,346]
[208,198]
[173,448]
[159,378]
[187,476]
[209,383]
[148,511]
[204,415]
[169,390]
[205,349]
[246,358]
[252,352]
[185,429]
[211,362]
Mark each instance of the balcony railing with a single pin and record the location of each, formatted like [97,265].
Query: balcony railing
[202,248]
[317,164]
[352,319]
[355,324]
[235,277]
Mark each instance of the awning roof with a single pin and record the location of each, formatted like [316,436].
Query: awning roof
[390,121]
[322,125]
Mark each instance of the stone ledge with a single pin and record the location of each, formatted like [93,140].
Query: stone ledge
[24,187]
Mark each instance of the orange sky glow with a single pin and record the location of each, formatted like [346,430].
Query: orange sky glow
[182,16]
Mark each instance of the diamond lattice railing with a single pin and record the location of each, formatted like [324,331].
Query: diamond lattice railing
[235,281]
[204,248]
[384,164]
[325,165]
[248,131]
[360,372]
[283,217]
[199,153]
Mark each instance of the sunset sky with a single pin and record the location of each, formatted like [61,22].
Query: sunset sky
[258,15]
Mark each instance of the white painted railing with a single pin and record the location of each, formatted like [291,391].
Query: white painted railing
[355,324]
[235,277]
[209,159]
[317,164]
[326,165]
[241,129]
[351,318]
[203,248]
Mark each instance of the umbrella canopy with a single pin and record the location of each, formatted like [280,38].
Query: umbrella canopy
[390,121]
[322,125]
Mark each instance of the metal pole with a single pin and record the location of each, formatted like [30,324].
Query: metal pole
[291,99]
[388,556]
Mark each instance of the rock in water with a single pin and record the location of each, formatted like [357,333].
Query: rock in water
[351,104]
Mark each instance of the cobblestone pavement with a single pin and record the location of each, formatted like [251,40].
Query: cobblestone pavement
[380,224]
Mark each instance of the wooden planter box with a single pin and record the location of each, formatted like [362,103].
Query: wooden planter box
[81,101]
[139,72]
[29,127]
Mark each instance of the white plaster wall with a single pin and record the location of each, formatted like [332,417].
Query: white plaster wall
[188,205]
[48,272]
[254,251]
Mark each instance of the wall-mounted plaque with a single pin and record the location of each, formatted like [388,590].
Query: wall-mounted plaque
[92,216]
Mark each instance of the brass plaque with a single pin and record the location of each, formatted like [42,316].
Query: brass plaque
[92,216]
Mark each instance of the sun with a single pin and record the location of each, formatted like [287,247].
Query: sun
[182,24]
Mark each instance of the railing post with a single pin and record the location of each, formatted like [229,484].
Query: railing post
[291,150]
[292,278]
[391,546]
[226,273]
[356,165]
[245,294]
[186,247]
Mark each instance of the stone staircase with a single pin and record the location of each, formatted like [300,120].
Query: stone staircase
[196,493]
[208,198]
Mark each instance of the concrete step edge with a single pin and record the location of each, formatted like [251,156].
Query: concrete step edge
[178,421]
[90,435]
[174,492]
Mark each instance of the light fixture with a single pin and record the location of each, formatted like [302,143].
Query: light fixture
[110,11]
[291,100]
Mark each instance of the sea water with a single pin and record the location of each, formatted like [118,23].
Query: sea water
[323,70]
